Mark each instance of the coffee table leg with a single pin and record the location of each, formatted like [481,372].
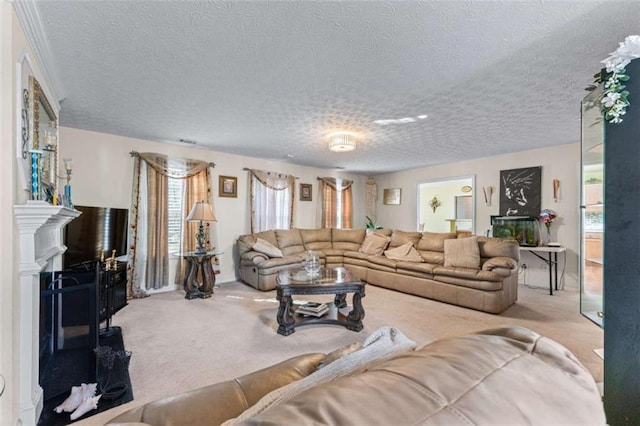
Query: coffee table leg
[340,300]
[285,317]
[357,313]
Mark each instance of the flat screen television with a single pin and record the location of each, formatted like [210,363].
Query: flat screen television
[96,230]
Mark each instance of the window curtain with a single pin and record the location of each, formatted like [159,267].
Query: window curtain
[148,232]
[272,196]
[336,202]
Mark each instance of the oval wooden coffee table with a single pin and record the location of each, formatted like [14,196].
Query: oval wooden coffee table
[337,281]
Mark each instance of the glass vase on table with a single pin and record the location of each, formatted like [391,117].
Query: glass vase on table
[312,262]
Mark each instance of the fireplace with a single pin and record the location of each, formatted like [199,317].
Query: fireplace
[40,226]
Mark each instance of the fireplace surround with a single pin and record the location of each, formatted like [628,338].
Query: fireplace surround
[40,227]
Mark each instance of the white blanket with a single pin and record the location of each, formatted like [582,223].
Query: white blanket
[381,345]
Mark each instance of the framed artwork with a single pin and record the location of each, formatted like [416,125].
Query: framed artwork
[228,186]
[520,191]
[305,192]
[392,196]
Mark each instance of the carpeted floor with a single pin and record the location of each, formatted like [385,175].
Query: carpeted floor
[180,344]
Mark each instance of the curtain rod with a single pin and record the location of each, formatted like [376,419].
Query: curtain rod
[248,170]
[137,154]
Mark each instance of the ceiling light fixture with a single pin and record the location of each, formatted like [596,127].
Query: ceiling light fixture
[342,142]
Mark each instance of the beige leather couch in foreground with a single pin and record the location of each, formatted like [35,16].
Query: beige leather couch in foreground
[507,376]
[485,279]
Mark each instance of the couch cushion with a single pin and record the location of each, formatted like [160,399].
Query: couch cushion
[433,257]
[289,241]
[246,242]
[498,247]
[434,241]
[316,239]
[347,239]
[462,253]
[264,246]
[374,243]
[405,252]
[399,238]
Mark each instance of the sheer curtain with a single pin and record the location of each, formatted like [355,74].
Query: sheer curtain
[336,202]
[271,200]
[148,217]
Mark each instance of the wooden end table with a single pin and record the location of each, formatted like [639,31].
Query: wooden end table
[337,281]
[199,262]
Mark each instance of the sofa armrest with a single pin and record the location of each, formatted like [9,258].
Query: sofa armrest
[500,262]
[212,405]
[254,257]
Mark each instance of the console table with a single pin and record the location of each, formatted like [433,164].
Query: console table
[199,262]
[551,261]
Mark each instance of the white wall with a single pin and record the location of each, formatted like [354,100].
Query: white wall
[103,175]
[558,162]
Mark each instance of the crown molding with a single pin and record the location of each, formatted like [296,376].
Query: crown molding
[29,17]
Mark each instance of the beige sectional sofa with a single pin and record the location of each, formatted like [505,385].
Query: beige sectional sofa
[479,273]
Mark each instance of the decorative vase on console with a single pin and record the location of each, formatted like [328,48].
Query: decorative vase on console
[546,218]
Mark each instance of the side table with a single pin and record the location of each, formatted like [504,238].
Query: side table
[199,262]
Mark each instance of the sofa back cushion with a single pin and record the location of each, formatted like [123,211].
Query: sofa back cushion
[316,239]
[374,243]
[434,241]
[399,238]
[347,239]
[498,247]
[246,242]
[462,253]
[289,241]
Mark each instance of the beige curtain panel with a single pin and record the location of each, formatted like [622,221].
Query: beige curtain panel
[336,202]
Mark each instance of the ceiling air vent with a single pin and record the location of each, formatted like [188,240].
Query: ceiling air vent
[187,141]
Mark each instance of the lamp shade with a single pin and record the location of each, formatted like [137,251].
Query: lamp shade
[342,142]
[202,211]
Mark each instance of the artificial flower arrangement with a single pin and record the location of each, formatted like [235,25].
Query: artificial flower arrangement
[434,203]
[547,217]
[614,102]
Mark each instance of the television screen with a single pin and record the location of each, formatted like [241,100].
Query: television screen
[97,230]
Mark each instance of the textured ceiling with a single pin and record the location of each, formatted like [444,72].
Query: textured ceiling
[268,79]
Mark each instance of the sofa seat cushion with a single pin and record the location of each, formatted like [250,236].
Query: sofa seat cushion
[509,376]
[275,264]
[316,239]
[381,263]
[356,258]
[415,269]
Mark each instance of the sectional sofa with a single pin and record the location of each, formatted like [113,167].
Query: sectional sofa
[475,272]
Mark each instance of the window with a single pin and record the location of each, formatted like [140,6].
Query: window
[176,219]
[271,200]
[336,203]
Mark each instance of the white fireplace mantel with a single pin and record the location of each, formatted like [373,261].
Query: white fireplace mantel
[41,247]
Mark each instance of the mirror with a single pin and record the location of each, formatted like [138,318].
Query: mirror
[456,209]
[45,142]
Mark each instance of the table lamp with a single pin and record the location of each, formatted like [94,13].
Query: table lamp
[202,212]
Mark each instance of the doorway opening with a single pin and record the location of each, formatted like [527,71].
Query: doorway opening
[454,210]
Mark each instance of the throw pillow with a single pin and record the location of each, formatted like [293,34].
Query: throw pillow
[374,244]
[462,253]
[404,252]
[264,246]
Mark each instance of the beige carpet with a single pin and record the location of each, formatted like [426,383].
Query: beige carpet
[181,344]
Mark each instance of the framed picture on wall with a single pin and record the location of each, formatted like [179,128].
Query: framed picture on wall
[520,191]
[228,186]
[392,196]
[305,192]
